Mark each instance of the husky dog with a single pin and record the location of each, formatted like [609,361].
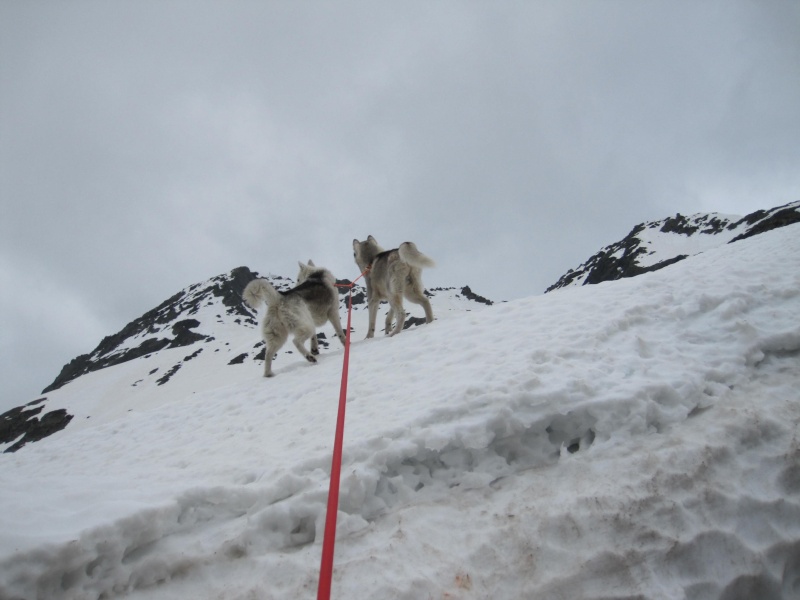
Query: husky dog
[392,275]
[299,310]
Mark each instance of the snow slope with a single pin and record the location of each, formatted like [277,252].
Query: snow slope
[179,348]
[633,439]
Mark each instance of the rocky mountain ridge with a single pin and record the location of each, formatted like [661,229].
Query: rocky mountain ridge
[654,245]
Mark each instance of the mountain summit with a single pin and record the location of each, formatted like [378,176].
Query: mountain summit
[169,325]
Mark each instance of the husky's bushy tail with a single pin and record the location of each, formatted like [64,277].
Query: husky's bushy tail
[258,291]
[409,254]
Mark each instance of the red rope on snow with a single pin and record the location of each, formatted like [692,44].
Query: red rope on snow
[329,539]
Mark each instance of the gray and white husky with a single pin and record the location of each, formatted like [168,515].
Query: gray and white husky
[393,274]
[298,311]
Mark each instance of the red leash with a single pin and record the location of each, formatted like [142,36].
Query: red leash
[329,539]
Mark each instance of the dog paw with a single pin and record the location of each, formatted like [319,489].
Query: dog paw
[315,351]
[270,374]
[310,358]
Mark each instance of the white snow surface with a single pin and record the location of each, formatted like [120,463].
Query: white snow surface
[633,439]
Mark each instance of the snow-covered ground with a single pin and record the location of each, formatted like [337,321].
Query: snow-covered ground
[633,439]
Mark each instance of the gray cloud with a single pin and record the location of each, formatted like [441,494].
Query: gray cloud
[145,146]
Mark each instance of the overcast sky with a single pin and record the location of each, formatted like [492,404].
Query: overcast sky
[148,145]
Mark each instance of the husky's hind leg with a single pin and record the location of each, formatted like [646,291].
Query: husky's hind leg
[396,304]
[415,292]
[269,354]
[301,334]
[274,340]
[333,317]
[387,326]
[374,303]
[419,298]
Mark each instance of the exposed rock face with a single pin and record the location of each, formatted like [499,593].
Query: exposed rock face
[24,424]
[657,244]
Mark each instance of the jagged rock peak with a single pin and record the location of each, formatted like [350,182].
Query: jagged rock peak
[657,244]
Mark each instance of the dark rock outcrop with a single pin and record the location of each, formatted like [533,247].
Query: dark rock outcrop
[24,424]
[765,221]
[470,295]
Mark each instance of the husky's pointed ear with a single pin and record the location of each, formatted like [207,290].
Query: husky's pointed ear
[311,263]
[302,266]
[355,243]
[372,239]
